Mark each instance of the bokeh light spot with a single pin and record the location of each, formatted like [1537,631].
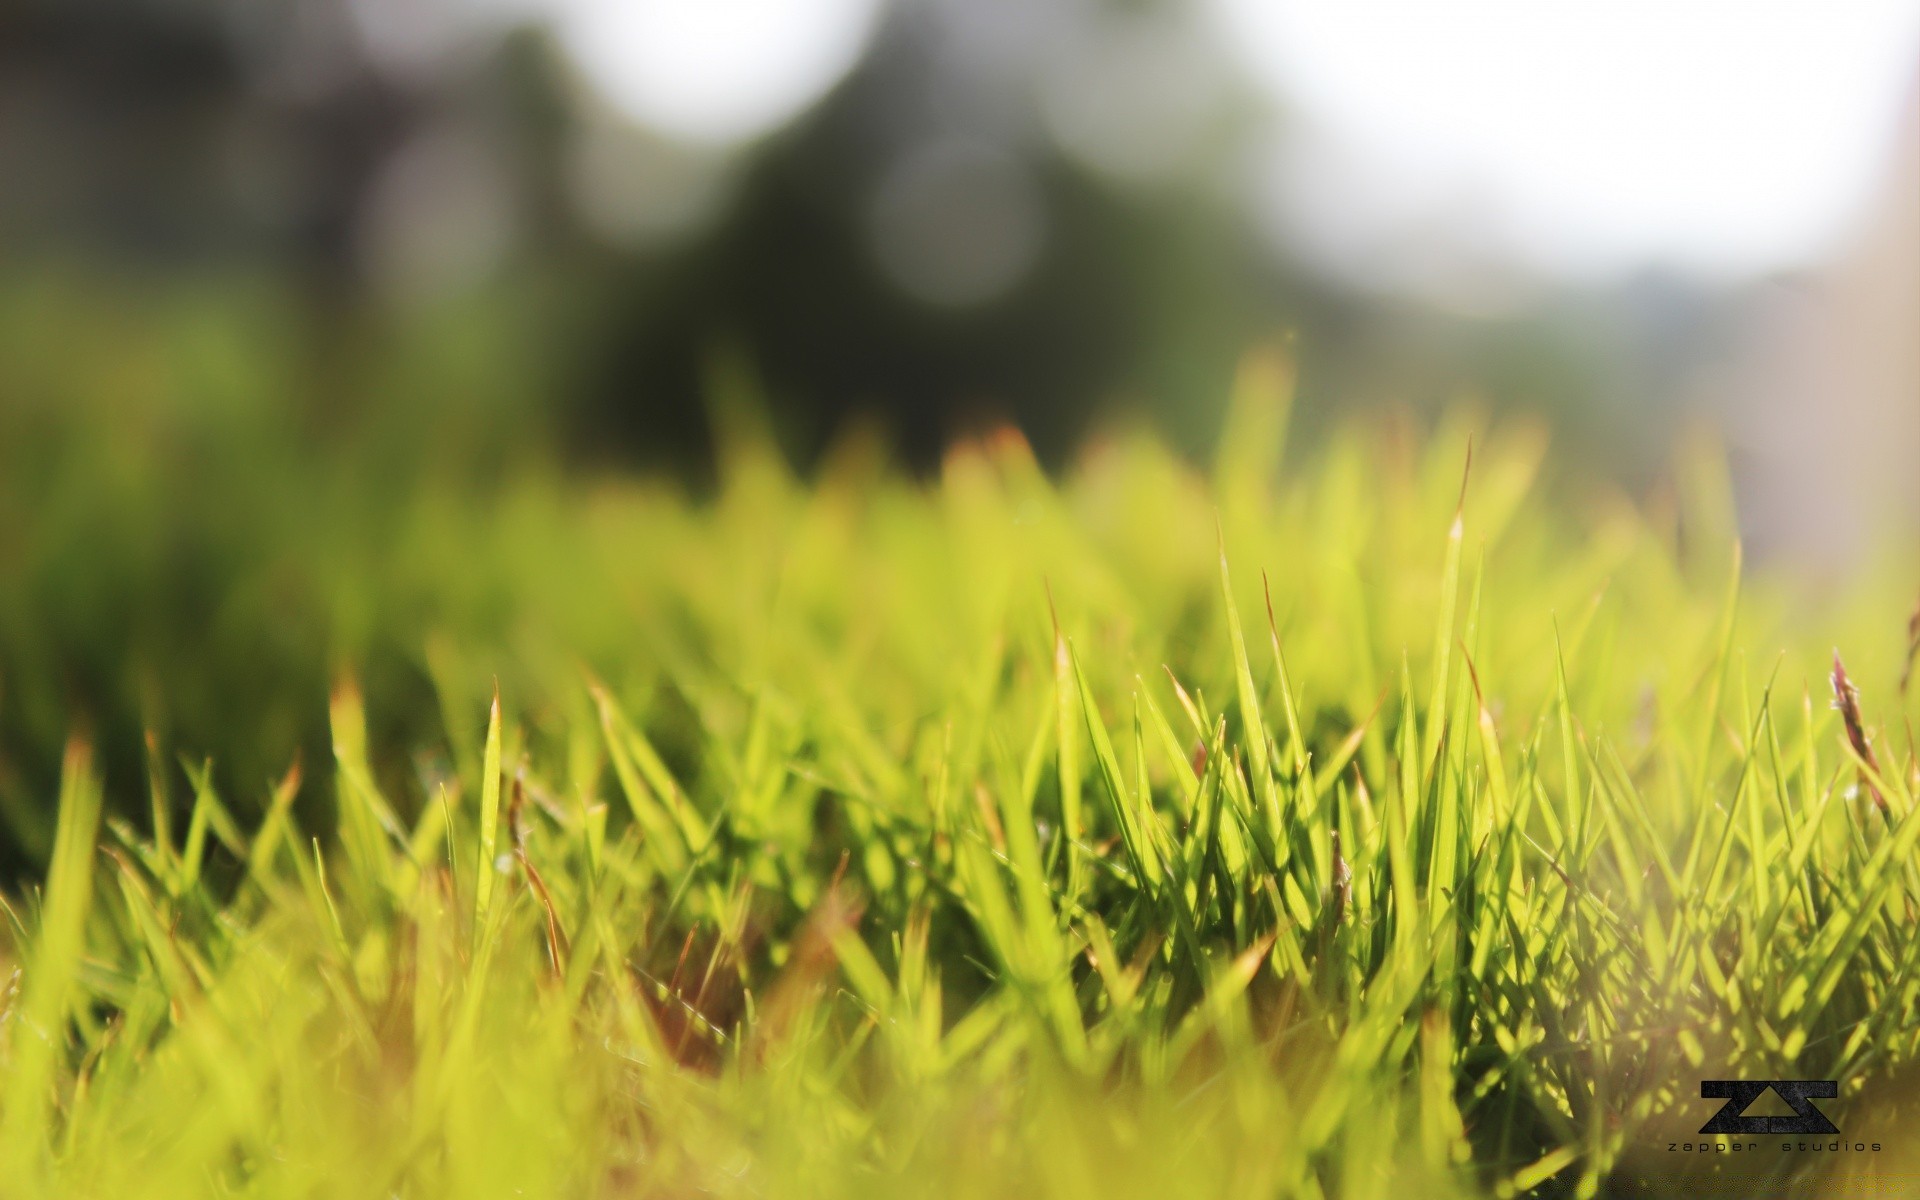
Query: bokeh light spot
[718,71]
[957,223]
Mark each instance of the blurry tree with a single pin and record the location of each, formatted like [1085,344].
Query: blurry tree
[1028,212]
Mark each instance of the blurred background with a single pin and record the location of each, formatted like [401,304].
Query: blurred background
[443,239]
[942,212]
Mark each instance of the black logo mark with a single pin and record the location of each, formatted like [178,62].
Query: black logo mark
[1739,1093]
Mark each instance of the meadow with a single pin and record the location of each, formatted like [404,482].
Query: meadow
[1406,814]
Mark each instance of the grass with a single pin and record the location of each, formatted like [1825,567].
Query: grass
[1372,827]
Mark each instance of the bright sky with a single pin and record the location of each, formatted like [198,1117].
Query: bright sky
[714,70]
[1575,136]
[1727,136]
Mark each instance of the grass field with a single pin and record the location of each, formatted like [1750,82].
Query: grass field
[1376,826]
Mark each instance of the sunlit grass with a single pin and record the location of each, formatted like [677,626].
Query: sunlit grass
[1375,826]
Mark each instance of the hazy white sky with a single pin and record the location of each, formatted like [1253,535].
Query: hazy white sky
[715,70]
[1572,136]
[1727,136]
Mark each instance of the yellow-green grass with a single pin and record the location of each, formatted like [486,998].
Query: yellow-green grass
[1372,826]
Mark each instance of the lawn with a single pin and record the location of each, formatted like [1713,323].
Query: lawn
[1407,814]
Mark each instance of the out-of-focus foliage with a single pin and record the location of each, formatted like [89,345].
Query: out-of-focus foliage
[198,530]
[402,155]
